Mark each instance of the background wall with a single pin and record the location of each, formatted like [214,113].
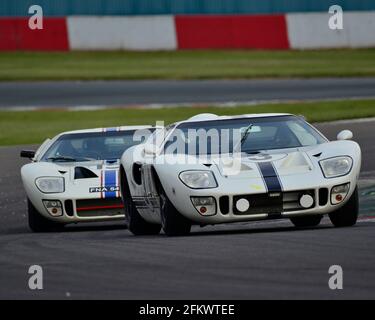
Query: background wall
[149,7]
[186,24]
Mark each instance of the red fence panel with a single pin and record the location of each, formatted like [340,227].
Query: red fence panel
[15,34]
[232,32]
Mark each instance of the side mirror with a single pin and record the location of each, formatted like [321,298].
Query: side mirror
[150,149]
[27,154]
[345,135]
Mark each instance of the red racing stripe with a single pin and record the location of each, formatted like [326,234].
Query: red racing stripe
[232,32]
[100,207]
[15,34]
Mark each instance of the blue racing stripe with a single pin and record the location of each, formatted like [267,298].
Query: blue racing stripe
[110,181]
[274,187]
[270,176]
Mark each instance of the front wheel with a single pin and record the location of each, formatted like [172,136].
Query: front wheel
[347,215]
[306,221]
[38,223]
[174,224]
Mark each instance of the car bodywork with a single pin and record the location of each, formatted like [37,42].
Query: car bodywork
[91,188]
[277,183]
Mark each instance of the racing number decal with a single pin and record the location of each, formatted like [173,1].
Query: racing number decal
[260,157]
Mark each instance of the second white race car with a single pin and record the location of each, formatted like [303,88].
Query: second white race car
[74,177]
[285,168]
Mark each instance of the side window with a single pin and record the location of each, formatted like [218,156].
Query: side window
[304,137]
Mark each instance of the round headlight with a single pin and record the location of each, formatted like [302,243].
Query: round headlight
[336,167]
[50,184]
[198,179]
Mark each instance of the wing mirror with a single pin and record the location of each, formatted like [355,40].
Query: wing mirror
[150,149]
[27,154]
[345,135]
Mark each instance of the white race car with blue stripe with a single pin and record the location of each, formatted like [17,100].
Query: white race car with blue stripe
[74,177]
[279,166]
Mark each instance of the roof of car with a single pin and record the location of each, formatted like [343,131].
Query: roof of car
[213,117]
[123,128]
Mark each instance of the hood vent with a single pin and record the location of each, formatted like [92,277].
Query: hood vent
[83,173]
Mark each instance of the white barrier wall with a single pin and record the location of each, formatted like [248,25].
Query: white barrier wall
[122,33]
[311,31]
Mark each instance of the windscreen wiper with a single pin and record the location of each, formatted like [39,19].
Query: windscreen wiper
[246,133]
[244,136]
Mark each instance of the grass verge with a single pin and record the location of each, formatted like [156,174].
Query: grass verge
[15,66]
[29,127]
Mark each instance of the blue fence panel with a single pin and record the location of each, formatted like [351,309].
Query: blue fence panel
[145,7]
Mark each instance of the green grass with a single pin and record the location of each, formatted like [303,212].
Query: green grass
[18,127]
[185,65]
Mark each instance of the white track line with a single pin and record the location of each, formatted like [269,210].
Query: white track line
[228,104]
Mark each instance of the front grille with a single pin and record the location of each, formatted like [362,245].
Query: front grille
[260,203]
[291,200]
[99,207]
[274,202]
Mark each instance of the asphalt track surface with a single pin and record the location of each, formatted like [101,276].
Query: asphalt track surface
[263,260]
[128,93]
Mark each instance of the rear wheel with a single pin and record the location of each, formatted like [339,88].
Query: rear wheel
[38,223]
[136,224]
[347,215]
[174,224]
[306,221]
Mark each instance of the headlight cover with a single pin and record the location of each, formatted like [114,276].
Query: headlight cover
[198,179]
[336,167]
[50,184]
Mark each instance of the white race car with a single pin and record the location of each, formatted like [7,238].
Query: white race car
[263,166]
[74,177]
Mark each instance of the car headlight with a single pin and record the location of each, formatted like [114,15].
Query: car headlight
[198,179]
[336,167]
[50,184]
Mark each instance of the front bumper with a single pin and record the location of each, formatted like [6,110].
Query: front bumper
[83,210]
[226,211]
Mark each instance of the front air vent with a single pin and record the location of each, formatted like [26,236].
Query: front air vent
[83,173]
[137,173]
[323,196]
[69,208]
[224,204]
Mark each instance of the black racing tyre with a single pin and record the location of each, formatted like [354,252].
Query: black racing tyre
[136,224]
[347,215]
[173,223]
[38,223]
[306,221]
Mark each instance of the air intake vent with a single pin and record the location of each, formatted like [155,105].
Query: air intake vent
[83,173]
[224,204]
[323,196]
[69,208]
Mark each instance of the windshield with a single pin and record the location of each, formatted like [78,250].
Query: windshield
[250,135]
[90,146]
